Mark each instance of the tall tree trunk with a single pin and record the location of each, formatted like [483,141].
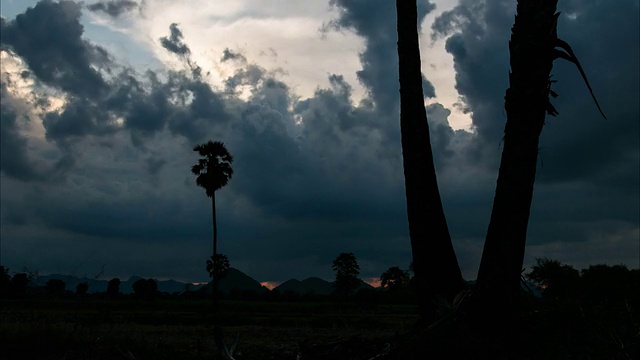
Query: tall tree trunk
[214,278]
[526,103]
[435,265]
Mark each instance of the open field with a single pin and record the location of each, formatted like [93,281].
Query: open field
[183,329]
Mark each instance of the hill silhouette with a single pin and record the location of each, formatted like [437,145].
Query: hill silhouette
[312,285]
[236,280]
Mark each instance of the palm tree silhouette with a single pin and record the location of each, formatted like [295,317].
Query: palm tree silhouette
[533,47]
[214,172]
[436,269]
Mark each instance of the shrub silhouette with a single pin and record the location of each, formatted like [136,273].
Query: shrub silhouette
[113,287]
[146,289]
[82,288]
[56,287]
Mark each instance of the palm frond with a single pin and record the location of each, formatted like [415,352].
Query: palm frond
[214,168]
[569,55]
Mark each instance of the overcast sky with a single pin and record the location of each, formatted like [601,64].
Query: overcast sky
[102,103]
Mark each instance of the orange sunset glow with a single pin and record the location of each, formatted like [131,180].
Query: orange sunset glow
[374,281]
[270,284]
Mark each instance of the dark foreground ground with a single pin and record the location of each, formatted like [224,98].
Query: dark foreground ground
[127,328]
[171,329]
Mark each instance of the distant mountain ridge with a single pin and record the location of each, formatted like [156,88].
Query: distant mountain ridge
[313,285]
[235,280]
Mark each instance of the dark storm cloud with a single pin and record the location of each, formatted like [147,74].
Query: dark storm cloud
[14,160]
[203,110]
[174,43]
[48,38]
[478,45]
[375,22]
[80,117]
[602,147]
[441,133]
[154,165]
[96,104]
[184,104]
[114,8]
[17,160]
[250,75]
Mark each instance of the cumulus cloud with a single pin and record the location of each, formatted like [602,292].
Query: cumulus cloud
[14,159]
[373,21]
[48,37]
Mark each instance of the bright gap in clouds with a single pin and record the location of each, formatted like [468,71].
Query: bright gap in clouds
[284,38]
[437,65]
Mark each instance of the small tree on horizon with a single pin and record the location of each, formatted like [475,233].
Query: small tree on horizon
[82,288]
[145,289]
[555,279]
[218,266]
[395,278]
[347,271]
[56,287]
[113,287]
[5,282]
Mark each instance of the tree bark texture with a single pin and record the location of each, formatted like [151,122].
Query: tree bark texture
[526,100]
[435,265]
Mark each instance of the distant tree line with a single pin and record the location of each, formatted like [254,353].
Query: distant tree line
[20,286]
[549,282]
[597,284]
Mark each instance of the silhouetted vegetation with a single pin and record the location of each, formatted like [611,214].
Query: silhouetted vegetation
[146,289]
[558,281]
[395,278]
[213,172]
[56,287]
[218,266]
[347,270]
[113,287]
[436,269]
[497,297]
[598,318]
[5,282]
[82,288]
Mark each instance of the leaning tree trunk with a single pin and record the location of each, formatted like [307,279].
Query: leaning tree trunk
[214,278]
[532,44]
[435,265]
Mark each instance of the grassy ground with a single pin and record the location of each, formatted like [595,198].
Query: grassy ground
[171,329]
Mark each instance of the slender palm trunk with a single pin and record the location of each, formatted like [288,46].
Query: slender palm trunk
[214,278]
[435,265]
[526,103]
